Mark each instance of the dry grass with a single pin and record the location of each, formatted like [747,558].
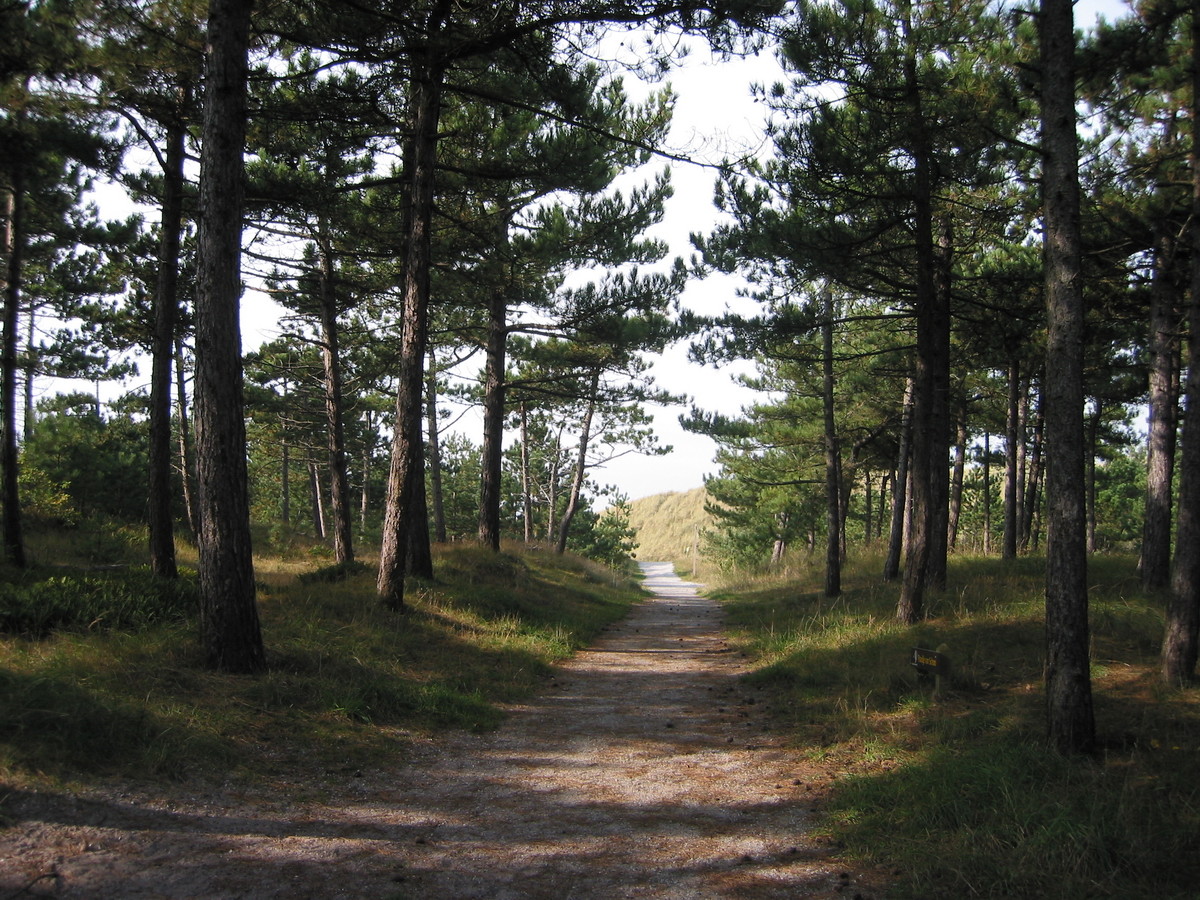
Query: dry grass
[958,794]
[347,680]
[668,526]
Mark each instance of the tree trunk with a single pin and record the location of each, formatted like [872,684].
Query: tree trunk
[891,566]
[364,505]
[987,494]
[1093,438]
[1022,450]
[434,445]
[426,102]
[939,415]
[1011,475]
[31,361]
[881,513]
[1033,483]
[492,457]
[925,443]
[1068,679]
[228,612]
[1181,638]
[956,478]
[585,434]
[166,308]
[187,461]
[1160,443]
[14,241]
[316,506]
[339,478]
[419,553]
[552,488]
[833,518]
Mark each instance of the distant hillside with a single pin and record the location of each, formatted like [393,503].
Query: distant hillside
[667,525]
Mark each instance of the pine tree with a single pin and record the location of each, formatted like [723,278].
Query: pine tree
[230,630]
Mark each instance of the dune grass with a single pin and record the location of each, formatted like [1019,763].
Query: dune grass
[347,684]
[957,794]
[668,527]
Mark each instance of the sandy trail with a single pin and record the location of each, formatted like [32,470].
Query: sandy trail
[642,771]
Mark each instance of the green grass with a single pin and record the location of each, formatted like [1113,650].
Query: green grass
[348,682]
[958,795]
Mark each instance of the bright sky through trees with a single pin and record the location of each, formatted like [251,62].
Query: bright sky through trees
[716,111]
[716,118]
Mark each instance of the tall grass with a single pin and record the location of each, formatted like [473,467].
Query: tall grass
[957,794]
[347,683]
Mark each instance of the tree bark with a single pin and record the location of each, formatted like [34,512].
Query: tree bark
[434,445]
[1181,638]
[1160,443]
[230,628]
[957,473]
[316,506]
[364,505]
[987,494]
[31,361]
[939,412]
[1070,717]
[1008,546]
[426,88]
[925,444]
[419,552]
[1092,440]
[187,460]
[14,241]
[891,566]
[1033,482]
[166,312]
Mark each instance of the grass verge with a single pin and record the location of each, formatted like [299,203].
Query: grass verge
[348,682]
[957,795]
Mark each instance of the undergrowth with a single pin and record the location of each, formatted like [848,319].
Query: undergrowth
[955,793]
[348,682]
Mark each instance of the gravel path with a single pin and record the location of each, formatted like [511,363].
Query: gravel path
[642,771]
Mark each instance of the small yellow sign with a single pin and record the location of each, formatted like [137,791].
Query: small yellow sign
[930,662]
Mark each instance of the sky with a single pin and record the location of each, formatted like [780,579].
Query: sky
[716,117]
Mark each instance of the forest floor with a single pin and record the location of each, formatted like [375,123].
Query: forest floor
[645,769]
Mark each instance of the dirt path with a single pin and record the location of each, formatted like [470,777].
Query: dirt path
[643,771]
